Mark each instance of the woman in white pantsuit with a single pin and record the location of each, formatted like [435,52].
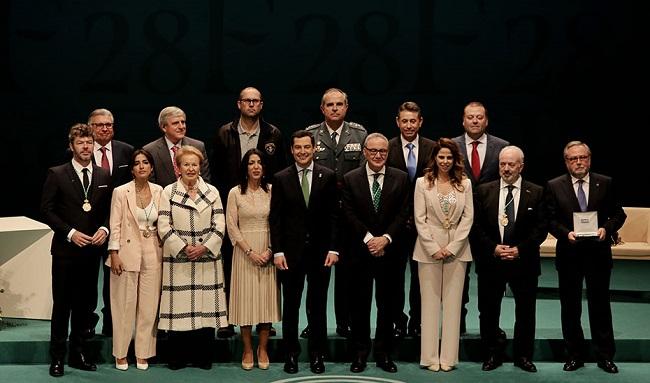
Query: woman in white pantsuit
[136,263]
[443,209]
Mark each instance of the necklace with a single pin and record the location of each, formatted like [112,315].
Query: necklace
[149,228]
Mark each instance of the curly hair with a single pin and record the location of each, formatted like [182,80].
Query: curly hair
[456,174]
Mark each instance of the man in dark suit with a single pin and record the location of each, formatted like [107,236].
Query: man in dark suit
[375,204]
[481,153]
[75,204]
[172,122]
[303,220]
[338,147]
[508,230]
[232,141]
[410,153]
[587,259]
[114,156]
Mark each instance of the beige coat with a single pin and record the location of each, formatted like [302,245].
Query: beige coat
[125,232]
[429,218]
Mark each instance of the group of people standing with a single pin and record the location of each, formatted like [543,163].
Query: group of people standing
[180,259]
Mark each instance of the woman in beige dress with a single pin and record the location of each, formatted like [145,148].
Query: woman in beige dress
[136,263]
[444,211]
[254,295]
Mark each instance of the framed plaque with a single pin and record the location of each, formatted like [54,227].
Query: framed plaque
[585,224]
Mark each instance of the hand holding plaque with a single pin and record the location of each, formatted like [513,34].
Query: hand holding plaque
[585,224]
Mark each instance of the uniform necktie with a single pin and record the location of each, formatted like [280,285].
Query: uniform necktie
[376,192]
[582,197]
[304,184]
[509,229]
[105,163]
[476,161]
[86,181]
[333,136]
[177,171]
[411,163]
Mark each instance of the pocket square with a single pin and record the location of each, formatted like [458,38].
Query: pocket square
[530,208]
[123,166]
[102,186]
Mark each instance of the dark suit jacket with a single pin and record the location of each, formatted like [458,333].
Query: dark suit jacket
[61,208]
[530,230]
[163,169]
[122,153]
[562,202]
[396,160]
[490,166]
[226,158]
[360,215]
[294,226]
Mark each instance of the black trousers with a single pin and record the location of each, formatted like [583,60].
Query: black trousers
[404,257]
[600,314]
[74,298]
[293,283]
[193,346]
[491,287]
[342,293]
[381,271]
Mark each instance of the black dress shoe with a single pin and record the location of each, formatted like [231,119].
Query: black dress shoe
[291,364]
[305,333]
[386,364]
[491,363]
[80,362]
[414,332]
[316,365]
[176,365]
[572,365]
[399,332]
[343,331]
[525,364]
[56,368]
[358,364]
[608,366]
[226,332]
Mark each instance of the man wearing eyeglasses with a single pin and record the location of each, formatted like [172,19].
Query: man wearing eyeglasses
[232,141]
[114,156]
[338,147]
[375,208]
[587,259]
[411,153]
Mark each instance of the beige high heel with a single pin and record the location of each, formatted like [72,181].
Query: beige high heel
[263,365]
[247,365]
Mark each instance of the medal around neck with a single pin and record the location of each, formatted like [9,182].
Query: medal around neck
[86,206]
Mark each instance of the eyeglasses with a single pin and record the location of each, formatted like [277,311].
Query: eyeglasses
[374,152]
[253,101]
[576,158]
[100,125]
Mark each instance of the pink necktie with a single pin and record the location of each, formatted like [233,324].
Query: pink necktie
[105,163]
[476,161]
[177,171]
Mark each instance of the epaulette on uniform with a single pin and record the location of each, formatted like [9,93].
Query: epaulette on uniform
[313,127]
[357,126]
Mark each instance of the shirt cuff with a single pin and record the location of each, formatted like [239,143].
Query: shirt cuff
[390,239]
[367,238]
[105,229]
[335,252]
[280,254]
[70,234]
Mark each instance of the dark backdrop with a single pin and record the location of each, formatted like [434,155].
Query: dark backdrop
[548,72]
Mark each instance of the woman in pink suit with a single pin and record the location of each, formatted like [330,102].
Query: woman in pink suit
[444,212]
[136,263]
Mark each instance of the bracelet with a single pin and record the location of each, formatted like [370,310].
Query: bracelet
[248,252]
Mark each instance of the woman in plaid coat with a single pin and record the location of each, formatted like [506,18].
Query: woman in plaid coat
[191,225]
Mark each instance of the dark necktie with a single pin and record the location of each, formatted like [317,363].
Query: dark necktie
[86,181]
[582,197]
[476,161]
[105,163]
[376,192]
[509,229]
[411,163]
[333,136]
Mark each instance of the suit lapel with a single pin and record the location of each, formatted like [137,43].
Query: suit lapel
[594,191]
[569,193]
[164,156]
[131,199]
[398,154]
[74,181]
[324,137]
[422,160]
[491,155]
[493,205]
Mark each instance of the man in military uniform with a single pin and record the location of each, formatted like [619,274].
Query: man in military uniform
[339,145]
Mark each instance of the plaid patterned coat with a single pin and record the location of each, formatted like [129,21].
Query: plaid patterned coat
[192,291]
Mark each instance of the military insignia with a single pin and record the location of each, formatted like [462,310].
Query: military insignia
[354,147]
[320,148]
[269,148]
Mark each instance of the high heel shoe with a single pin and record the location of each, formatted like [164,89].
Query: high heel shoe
[447,368]
[434,367]
[120,366]
[246,365]
[142,366]
[262,364]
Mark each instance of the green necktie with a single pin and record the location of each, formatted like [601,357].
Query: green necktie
[376,192]
[305,186]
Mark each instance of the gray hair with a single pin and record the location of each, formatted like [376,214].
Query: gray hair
[515,149]
[170,111]
[374,135]
[575,143]
[334,90]
[100,112]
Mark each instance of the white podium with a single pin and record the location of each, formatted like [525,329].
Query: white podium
[25,268]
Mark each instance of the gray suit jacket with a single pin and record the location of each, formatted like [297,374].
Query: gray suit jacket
[163,169]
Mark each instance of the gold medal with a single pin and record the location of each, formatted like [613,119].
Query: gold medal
[86,206]
[504,220]
[146,233]
[446,224]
